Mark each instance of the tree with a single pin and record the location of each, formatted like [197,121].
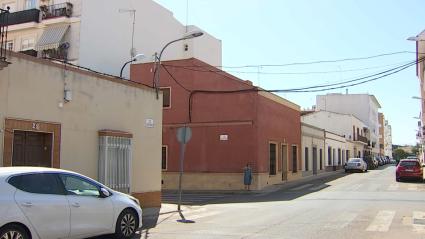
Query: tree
[400,154]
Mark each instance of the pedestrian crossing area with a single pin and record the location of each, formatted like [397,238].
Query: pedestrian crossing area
[191,198]
[382,221]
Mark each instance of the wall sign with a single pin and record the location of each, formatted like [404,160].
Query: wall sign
[35,126]
[149,123]
[224,137]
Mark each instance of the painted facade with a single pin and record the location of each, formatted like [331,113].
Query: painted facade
[313,149]
[350,127]
[73,109]
[363,106]
[100,33]
[233,124]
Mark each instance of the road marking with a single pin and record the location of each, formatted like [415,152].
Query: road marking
[340,221]
[301,187]
[382,221]
[418,221]
[393,187]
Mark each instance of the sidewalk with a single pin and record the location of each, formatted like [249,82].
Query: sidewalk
[152,214]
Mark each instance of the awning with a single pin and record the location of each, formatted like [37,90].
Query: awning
[51,38]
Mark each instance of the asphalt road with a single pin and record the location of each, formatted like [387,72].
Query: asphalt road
[358,205]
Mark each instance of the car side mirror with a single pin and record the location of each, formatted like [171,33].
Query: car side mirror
[104,193]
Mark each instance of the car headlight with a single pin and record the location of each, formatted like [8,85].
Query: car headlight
[135,200]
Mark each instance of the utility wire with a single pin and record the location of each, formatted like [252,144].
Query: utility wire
[311,62]
[285,73]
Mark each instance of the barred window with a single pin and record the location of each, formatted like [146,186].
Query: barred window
[115,160]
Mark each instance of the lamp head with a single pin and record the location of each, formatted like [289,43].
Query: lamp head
[138,56]
[193,34]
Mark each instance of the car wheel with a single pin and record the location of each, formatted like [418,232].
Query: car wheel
[14,232]
[127,224]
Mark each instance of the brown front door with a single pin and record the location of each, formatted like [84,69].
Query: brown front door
[32,149]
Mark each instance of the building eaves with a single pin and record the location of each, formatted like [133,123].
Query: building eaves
[79,70]
[375,100]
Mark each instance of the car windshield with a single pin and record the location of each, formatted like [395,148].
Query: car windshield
[409,163]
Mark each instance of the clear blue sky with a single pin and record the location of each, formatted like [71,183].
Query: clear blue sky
[258,32]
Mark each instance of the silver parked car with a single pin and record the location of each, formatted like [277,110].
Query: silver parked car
[44,203]
[355,164]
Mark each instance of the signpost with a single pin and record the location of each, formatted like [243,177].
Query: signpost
[183,136]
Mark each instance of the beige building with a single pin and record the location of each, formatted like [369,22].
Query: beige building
[56,115]
[312,149]
[103,34]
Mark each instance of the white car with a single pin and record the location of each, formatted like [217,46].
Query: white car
[356,164]
[45,203]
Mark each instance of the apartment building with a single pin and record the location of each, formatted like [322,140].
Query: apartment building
[102,34]
[363,106]
[381,121]
[388,144]
[355,132]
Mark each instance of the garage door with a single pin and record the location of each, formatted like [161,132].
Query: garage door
[32,149]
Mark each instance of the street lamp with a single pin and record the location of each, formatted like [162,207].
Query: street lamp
[141,56]
[187,36]
[417,38]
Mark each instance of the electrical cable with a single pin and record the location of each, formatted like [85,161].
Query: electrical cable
[311,62]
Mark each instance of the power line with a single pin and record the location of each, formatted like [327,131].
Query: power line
[287,73]
[309,62]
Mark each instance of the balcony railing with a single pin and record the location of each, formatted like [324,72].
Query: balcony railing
[361,139]
[4,15]
[31,15]
[56,10]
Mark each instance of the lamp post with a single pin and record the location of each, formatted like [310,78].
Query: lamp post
[132,60]
[187,36]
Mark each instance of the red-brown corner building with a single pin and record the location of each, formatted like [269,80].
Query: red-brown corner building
[233,124]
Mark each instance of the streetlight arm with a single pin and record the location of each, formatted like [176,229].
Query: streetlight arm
[122,68]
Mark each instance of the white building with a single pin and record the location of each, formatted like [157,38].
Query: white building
[312,149]
[98,34]
[336,153]
[363,106]
[350,127]
[388,145]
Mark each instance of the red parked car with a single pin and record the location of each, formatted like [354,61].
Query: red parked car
[409,168]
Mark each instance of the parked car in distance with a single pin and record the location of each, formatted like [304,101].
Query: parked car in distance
[45,203]
[409,169]
[355,164]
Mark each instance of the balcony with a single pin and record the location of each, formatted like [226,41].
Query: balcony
[361,139]
[31,15]
[56,10]
[3,38]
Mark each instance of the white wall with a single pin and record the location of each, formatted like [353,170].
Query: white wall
[106,35]
[361,106]
[312,137]
[335,142]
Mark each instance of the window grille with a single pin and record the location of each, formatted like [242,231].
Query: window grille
[115,162]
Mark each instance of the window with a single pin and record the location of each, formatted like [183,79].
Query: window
[166,97]
[9,45]
[29,4]
[75,185]
[329,156]
[41,183]
[164,157]
[333,156]
[272,159]
[339,156]
[27,44]
[306,158]
[321,159]
[343,157]
[294,159]
[347,152]
[115,161]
